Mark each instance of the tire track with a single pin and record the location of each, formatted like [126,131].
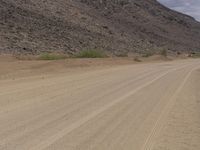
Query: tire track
[148,145]
[77,124]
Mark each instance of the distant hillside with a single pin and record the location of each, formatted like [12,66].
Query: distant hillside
[116,26]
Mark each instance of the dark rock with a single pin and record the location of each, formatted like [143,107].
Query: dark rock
[116,26]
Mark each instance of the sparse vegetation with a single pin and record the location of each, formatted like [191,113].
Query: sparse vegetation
[163,52]
[124,54]
[137,59]
[91,53]
[147,54]
[195,54]
[51,56]
[24,57]
[178,53]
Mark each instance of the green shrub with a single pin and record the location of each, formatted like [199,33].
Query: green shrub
[196,55]
[147,54]
[137,59]
[163,52]
[49,56]
[91,54]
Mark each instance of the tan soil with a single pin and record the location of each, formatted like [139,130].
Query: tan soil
[47,105]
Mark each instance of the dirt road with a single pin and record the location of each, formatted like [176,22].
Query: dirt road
[154,106]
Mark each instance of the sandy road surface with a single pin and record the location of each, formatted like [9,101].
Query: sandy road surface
[154,106]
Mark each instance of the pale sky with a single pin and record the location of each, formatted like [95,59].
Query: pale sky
[190,7]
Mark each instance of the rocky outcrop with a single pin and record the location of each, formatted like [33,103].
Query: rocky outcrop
[116,26]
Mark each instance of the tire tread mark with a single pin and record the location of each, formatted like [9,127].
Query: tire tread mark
[82,121]
[149,143]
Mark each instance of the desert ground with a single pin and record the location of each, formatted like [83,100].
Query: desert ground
[95,105]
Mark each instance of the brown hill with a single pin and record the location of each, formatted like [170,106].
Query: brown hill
[116,26]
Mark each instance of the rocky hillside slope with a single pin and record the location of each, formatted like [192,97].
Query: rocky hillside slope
[116,26]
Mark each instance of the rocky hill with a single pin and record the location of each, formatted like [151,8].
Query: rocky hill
[116,26]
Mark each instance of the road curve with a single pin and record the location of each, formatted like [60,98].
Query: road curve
[153,106]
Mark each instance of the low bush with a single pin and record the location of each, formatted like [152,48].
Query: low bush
[91,54]
[163,52]
[147,54]
[125,54]
[137,59]
[196,55]
[49,56]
